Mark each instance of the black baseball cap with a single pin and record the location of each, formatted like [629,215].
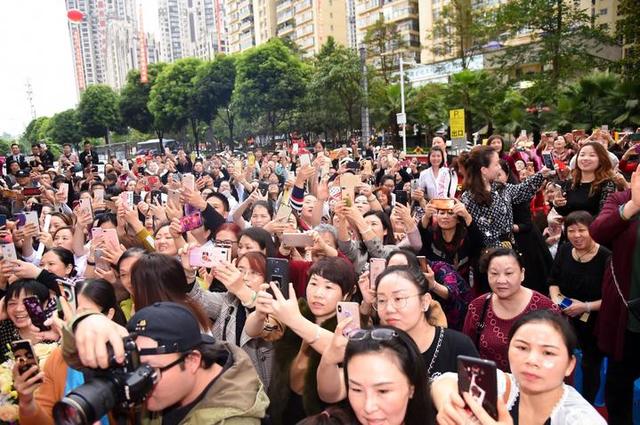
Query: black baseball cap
[171,325]
[22,174]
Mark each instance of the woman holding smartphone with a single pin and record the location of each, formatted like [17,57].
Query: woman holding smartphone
[309,328]
[541,347]
[576,286]
[591,182]
[403,301]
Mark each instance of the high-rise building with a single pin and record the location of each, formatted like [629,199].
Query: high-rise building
[104,43]
[309,23]
[352,37]
[190,28]
[240,22]
[403,13]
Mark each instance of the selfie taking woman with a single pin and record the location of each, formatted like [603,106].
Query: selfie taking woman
[541,346]
[309,326]
[576,286]
[490,317]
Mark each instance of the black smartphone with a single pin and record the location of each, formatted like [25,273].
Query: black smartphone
[263,187]
[24,355]
[3,220]
[547,159]
[37,314]
[478,378]
[402,197]
[156,197]
[278,271]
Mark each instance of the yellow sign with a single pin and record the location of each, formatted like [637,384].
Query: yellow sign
[456,123]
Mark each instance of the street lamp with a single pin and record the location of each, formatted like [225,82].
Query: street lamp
[402,116]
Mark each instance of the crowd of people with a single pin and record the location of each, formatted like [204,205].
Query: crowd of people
[307,285]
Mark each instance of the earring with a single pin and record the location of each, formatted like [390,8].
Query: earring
[425,309]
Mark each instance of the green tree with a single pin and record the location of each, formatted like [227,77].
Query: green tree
[429,106]
[460,31]
[270,83]
[134,100]
[65,127]
[479,93]
[171,98]
[336,82]
[98,111]
[214,86]
[36,130]
[384,43]
[629,91]
[563,36]
[628,32]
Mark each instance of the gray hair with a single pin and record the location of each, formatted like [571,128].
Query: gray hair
[327,228]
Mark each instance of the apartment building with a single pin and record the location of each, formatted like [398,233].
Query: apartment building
[404,13]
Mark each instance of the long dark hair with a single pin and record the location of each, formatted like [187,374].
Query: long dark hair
[102,294]
[157,277]
[420,410]
[479,157]
[66,257]
[262,238]
[603,173]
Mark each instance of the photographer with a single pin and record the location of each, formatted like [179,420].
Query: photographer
[88,156]
[197,380]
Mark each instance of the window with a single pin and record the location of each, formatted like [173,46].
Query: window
[603,11]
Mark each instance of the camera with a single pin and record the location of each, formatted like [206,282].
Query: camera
[121,386]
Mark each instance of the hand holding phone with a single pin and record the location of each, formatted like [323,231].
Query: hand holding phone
[349,310]
[478,378]
[25,356]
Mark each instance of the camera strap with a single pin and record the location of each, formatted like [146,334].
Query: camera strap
[480,324]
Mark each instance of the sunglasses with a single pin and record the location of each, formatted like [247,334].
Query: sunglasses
[382,334]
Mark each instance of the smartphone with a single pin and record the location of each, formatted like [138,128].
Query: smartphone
[9,252]
[283,213]
[547,159]
[3,220]
[237,166]
[565,303]
[523,133]
[188,180]
[101,263]
[190,222]
[278,271]
[24,355]
[47,223]
[64,188]
[68,290]
[368,167]
[98,195]
[424,263]
[173,196]
[402,197]
[251,159]
[31,217]
[85,205]
[634,137]
[478,378]
[36,313]
[263,187]
[376,267]
[348,195]
[346,310]
[208,256]
[297,240]
[305,159]
[31,191]
[352,165]
[127,199]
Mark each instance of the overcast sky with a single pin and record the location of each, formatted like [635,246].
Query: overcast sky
[35,45]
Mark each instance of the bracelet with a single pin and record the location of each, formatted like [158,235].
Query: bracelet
[621,211]
[317,337]
[252,302]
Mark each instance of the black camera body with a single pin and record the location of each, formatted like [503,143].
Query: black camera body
[120,387]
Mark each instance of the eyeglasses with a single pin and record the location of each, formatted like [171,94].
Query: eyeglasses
[446,212]
[225,243]
[380,334]
[249,273]
[398,303]
[159,370]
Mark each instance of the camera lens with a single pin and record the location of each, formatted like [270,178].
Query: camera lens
[86,404]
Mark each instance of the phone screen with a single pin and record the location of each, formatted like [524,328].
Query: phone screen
[24,355]
[478,378]
[278,272]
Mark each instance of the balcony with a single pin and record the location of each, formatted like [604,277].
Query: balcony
[302,6]
[284,17]
[283,6]
[284,30]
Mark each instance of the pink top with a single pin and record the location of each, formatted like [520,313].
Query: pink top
[494,338]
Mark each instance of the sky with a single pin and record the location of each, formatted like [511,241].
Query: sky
[35,46]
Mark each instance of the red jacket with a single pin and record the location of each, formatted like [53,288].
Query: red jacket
[620,236]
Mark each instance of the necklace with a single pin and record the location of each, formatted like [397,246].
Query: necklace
[579,258]
[435,353]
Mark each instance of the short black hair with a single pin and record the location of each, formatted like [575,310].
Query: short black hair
[222,198]
[29,286]
[499,252]
[578,217]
